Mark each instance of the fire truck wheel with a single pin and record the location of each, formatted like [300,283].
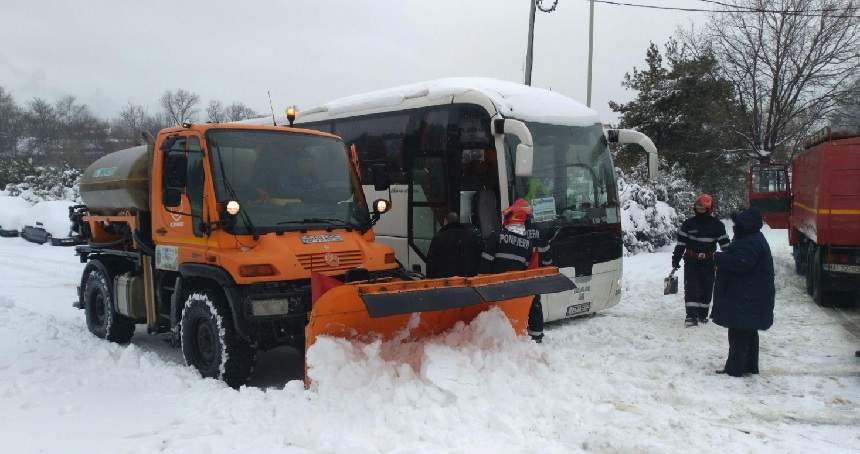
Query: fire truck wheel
[797,253]
[102,320]
[809,268]
[820,294]
[210,342]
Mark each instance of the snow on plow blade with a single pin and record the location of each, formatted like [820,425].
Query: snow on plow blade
[411,310]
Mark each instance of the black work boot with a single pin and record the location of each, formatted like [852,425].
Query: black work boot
[690,321]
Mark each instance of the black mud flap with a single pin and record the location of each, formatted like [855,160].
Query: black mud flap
[519,288]
[407,302]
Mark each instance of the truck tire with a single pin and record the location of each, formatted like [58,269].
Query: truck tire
[820,294]
[102,320]
[209,339]
[797,253]
[808,268]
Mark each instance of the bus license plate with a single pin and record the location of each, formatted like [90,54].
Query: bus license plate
[577,309]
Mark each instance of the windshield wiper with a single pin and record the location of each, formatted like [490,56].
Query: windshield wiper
[249,226]
[333,221]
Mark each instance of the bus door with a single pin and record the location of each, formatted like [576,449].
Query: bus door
[453,168]
[429,191]
[769,191]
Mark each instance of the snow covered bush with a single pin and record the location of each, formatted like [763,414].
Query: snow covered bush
[48,183]
[651,210]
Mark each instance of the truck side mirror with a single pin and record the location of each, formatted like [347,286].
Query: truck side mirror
[171,197]
[381,181]
[175,170]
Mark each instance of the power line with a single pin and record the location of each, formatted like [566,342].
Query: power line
[793,12]
[725,11]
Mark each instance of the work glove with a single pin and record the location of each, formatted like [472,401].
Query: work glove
[676,264]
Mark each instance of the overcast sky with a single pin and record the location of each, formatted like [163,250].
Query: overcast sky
[109,52]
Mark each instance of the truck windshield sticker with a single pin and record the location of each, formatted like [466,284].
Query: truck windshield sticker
[325,238]
[543,209]
[167,258]
[104,172]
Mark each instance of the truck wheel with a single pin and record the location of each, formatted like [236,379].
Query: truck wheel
[798,260]
[808,267]
[820,294]
[102,320]
[210,342]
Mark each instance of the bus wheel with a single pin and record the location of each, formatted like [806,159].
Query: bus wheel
[210,342]
[102,320]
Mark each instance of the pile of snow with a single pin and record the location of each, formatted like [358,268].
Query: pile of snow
[53,215]
[13,211]
[652,211]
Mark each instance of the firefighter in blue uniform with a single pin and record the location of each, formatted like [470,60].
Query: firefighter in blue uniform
[512,250]
[697,241]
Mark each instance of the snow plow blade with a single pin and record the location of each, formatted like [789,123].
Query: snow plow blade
[409,310]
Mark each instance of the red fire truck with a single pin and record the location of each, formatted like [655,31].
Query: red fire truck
[820,207]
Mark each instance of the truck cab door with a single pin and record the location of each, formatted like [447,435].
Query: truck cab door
[178,202]
[769,191]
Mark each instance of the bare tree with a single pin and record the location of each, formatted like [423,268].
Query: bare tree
[847,113]
[180,106]
[11,123]
[790,62]
[130,122]
[215,112]
[239,111]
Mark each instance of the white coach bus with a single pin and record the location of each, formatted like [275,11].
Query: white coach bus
[473,146]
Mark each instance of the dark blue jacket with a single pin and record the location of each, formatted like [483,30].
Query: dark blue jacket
[744,289]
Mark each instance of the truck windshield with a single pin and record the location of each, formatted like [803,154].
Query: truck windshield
[286,181]
[573,179]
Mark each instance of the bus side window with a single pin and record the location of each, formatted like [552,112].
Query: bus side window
[378,138]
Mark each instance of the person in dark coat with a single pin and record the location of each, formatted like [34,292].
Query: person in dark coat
[698,238]
[744,292]
[455,250]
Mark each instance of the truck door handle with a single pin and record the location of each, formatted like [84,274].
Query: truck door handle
[161,231]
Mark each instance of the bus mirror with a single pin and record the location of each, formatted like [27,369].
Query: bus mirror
[525,161]
[381,182]
[623,136]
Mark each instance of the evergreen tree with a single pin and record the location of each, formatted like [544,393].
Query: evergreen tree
[690,114]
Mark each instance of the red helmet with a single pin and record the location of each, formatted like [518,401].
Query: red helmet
[705,201]
[517,213]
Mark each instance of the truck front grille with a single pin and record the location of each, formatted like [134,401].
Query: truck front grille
[331,261]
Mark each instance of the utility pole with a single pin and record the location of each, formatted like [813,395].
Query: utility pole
[535,5]
[590,49]
[529,50]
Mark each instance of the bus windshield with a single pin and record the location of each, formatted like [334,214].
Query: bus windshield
[573,179]
[286,181]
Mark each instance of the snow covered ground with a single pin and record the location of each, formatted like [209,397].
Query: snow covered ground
[631,379]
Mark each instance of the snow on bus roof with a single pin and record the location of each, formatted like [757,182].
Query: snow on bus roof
[510,99]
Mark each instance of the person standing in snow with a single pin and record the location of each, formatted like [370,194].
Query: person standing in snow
[697,241]
[744,292]
[512,250]
[455,250]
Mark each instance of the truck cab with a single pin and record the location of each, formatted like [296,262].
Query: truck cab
[219,227]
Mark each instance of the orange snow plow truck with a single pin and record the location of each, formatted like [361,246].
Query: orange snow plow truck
[239,238]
